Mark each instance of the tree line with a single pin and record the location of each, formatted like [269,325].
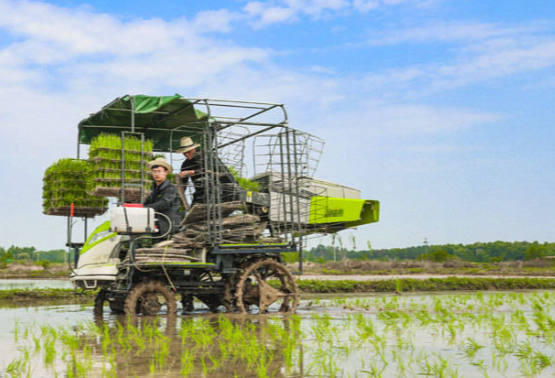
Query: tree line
[476,252]
[14,253]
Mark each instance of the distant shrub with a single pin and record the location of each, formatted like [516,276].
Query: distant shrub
[44,263]
[535,251]
[439,255]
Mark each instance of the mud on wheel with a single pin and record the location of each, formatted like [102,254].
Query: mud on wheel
[264,283]
[150,298]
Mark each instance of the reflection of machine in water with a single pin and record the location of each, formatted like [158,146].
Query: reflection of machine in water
[224,346]
[227,252]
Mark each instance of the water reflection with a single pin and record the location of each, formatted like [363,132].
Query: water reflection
[207,345]
[456,335]
[10,284]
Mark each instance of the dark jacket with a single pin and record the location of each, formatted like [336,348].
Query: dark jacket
[163,199]
[195,164]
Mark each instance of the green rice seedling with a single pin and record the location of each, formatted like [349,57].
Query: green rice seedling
[16,331]
[374,370]
[105,178]
[65,184]
[15,368]
[49,347]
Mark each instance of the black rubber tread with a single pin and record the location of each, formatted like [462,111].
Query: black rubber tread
[130,307]
[278,268]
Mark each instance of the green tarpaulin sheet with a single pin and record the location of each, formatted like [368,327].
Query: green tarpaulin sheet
[155,116]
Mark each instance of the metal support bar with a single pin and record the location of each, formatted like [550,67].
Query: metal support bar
[248,136]
[299,227]
[282,170]
[289,184]
[122,199]
[132,113]
[249,117]
[222,251]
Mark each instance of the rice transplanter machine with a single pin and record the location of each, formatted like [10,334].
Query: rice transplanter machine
[261,200]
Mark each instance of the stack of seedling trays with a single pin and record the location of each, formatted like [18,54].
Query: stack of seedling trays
[105,155]
[65,184]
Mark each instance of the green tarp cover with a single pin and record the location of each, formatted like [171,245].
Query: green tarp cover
[156,116]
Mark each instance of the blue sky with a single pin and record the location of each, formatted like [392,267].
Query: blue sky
[440,109]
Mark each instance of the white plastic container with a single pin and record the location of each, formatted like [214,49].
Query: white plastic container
[134,220]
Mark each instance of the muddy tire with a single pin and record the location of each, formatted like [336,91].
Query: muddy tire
[187,302]
[99,300]
[212,301]
[253,287]
[117,306]
[144,299]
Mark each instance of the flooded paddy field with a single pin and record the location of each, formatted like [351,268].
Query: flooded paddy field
[10,284]
[443,335]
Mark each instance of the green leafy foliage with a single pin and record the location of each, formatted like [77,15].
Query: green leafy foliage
[439,255]
[243,182]
[475,252]
[14,253]
[535,251]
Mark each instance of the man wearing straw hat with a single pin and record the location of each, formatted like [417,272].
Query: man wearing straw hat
[192,167]
[163,196]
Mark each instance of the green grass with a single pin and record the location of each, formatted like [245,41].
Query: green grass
[49,293]
[431,284]
[343,286]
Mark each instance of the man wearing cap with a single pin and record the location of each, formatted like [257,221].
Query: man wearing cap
[192,167]
[163,196]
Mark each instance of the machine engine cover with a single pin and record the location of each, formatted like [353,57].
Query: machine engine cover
[132,220]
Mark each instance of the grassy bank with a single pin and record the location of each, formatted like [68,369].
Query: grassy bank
[431,284]
[33,270]
[323,286]
[46,293]
[538,267]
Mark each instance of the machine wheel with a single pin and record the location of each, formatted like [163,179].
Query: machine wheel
[230,301]
[99,302]
[149,298]
[187,302]
[213,301]
[117,306]
[253,288]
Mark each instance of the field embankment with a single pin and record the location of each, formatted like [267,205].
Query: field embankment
[346,267]
[399,285]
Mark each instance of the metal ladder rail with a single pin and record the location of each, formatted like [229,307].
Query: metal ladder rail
[123,182]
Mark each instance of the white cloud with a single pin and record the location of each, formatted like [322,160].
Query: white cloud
[263,14]
[368,5]
[219,21]
[457,31]
[484,52]
[65,63]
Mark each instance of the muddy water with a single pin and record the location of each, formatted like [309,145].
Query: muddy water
[447,335]
[8,284]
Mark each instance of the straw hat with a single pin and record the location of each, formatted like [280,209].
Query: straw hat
[161,162]
[187,145]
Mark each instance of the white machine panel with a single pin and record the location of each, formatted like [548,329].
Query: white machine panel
[135,220]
